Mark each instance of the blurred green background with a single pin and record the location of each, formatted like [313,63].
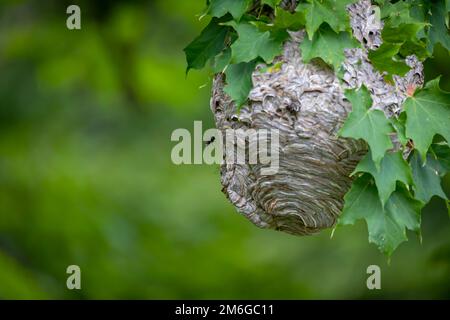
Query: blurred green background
[86,176]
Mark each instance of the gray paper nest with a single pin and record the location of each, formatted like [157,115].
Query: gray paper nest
[306,103]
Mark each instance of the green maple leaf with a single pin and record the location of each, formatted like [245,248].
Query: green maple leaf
[271,3]
[368,124]
[397,13]
[436,14]
[427,182]
[328,46]
[221,60]
[239,81]
[386,226]
[409,36]
[253,43]
[290,21]
[209,43]
[385,59]
[438,32]
[400,39]
[333,12]
[418,9]
[441,152]
[393,168]
[427,114]
[402,32]
[399,125]
[219,8]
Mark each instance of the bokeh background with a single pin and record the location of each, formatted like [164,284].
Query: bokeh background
[86,176]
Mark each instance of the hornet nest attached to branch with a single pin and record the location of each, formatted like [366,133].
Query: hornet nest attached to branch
[306,103]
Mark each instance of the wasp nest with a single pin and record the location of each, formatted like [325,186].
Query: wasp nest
[306,103]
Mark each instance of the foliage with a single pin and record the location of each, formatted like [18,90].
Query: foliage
[389,191]
[387,223]
[318,12]
[427,114]
[368,124]
[328,46]
[85,177]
